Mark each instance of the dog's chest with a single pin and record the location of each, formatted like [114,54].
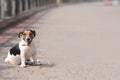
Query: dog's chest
[28,51]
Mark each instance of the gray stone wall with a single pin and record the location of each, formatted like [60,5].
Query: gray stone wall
[12,8]
[15,10]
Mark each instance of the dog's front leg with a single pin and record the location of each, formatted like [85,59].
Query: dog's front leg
[23,60]
[33,58]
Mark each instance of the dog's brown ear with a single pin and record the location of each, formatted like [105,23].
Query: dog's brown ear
[19,34]
[34,32]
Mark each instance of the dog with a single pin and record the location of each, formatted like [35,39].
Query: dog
[24,50]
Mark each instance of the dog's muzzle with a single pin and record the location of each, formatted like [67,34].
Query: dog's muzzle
[28,40]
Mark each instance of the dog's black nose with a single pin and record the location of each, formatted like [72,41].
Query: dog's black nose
[28,39]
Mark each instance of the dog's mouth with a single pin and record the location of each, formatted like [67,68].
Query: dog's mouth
[27,42]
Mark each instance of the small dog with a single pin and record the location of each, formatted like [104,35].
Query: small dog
[24,50]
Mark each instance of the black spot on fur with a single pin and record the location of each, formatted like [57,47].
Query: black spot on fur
[15,50]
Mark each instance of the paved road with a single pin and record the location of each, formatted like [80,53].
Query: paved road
[88,33]
[76,42]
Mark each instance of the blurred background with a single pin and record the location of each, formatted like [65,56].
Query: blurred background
[13,10]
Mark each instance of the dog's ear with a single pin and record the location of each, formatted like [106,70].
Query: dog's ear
[20,33]
[34,32]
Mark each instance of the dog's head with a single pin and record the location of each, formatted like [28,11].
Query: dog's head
[27,35]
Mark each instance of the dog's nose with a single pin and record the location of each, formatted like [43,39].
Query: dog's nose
[28,39]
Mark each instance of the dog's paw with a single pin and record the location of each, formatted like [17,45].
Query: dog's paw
[22,65]
[6,60]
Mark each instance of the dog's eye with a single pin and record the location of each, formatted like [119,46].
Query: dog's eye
[24,34]
[30,33]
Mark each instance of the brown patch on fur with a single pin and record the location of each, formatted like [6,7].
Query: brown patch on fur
[26,33]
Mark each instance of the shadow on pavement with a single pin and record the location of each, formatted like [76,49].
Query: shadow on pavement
[4,67]
[42,65]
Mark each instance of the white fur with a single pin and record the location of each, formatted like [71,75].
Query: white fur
[27,52]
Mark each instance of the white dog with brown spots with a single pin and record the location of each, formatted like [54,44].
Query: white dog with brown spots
[24,50]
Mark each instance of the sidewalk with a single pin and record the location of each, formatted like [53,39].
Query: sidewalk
[74,42]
